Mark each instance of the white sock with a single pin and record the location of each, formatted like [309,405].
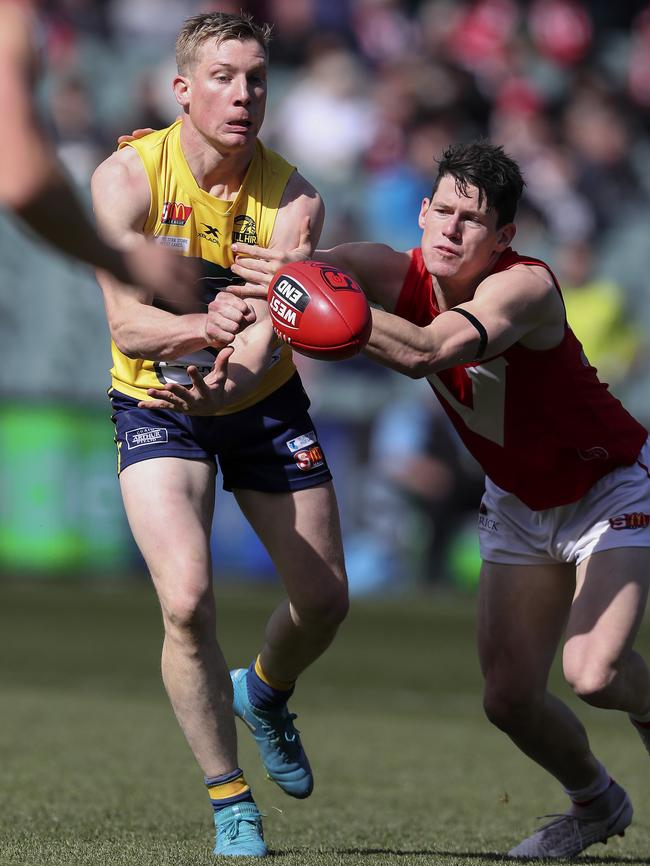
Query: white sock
[643,719]
[584,796]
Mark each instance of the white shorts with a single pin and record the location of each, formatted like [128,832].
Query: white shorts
[614,513]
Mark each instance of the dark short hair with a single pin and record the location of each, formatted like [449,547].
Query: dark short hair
[221,26]
[487,167]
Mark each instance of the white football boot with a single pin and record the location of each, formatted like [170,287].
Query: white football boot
[568,834]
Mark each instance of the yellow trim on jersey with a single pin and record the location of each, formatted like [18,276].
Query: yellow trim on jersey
[197,224]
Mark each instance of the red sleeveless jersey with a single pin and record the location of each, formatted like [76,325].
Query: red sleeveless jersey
[540,423]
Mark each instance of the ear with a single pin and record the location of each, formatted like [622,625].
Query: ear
[182,90]
[505,236]
[426,204]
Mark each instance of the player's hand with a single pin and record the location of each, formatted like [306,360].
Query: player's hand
[205,397]
[137,133]
[258,265]
[140,133]
[227,316]
[161,271]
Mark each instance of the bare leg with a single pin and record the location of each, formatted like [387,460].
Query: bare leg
[169,503]
[522,613]
[599,662]
[301,531]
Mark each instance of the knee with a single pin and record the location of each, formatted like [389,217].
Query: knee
[325,610]
[591,681]
[189,616]
[510,707]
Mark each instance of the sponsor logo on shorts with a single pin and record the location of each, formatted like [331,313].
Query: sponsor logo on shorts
[175,213]
[489,524]
[303,441]
[633,520]
[486,523]
[175,243]
[244,230]
[146,436]
[309,458]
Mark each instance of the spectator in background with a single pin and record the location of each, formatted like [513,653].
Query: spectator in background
[596,312]
[326,120]
[79,139]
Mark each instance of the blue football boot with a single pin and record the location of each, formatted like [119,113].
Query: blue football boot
[239,831]
[277,740]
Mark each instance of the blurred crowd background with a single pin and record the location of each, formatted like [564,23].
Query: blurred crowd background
[363,96]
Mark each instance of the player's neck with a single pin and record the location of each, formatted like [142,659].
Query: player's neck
[451,292]
[218,172]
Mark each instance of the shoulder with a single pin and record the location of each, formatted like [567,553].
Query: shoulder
[123,167]
[300,192]
[527,297]
[532,281]
[299,200]
[120,185]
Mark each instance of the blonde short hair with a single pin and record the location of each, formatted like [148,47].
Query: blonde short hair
[221,26]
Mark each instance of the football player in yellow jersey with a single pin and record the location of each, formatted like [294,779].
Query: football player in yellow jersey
[34,186]
[267,448]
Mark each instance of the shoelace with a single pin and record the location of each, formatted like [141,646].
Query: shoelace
[231,827]
[287,731]
[561,818]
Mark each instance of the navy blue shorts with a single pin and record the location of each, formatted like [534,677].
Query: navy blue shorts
[272,446]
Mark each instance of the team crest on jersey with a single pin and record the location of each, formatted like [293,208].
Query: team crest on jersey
[175,213]
[633,520]
[244,230]
[288,301]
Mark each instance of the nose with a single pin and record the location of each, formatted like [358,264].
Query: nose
[242,93]
[451,227]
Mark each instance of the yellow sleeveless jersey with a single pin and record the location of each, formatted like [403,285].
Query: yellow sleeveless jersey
[193,222]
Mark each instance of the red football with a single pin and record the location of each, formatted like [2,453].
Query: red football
[319,310]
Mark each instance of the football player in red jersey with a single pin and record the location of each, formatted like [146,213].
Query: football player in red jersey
[564,523]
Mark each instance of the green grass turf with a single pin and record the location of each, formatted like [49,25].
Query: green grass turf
[93,769]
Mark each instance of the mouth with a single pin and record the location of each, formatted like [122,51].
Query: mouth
[447,252]
[241,124]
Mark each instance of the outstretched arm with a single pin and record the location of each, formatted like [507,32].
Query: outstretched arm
[34,185]
[521,304]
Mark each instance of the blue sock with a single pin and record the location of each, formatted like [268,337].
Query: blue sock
[261,694]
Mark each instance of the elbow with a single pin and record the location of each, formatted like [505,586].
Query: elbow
[126,341]
[419,366]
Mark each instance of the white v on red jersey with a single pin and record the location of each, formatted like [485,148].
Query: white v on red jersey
[540,423]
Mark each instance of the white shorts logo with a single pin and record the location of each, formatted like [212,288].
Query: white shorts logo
[303,441]
[146,436]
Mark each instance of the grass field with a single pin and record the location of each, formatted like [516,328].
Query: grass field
[93,769]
